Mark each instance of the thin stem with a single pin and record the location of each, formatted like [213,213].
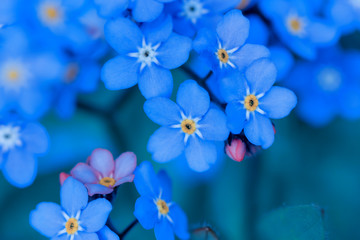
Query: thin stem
[123,233]
[208,230]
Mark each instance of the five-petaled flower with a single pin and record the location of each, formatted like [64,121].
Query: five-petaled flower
[154,208]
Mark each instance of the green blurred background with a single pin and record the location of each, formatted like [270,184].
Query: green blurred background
[304,166]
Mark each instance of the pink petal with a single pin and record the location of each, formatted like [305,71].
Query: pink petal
[97,189]
[129,178]
[85,174]
[63,177]
[125,165]
[102,161]
[236,151]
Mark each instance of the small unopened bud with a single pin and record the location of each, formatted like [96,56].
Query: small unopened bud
[63,177]
[236,150]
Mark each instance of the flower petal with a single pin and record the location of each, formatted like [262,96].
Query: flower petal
[146,10]
[278,102]
[36,138]
[146,212]
[157,31]
[248,54]
[162,111]
[205,40]
[146,181]
[199,154]
[155,81]
[166,144]
[213,125]
[102,160]
[193,99]
[98,189]
[73,196]
[106,234]
[20,168]
[123,35]
[165,183]
[174,52]
[236,117]
[125,165]
[164,230]
[233,29]
[84,173]
[86,236]
[259,130]
[120,73]
[95,215]
[232,87]
[129,178]
[47,219]
[180,222]
[261,75]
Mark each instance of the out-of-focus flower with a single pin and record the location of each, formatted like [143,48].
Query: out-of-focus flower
[225,49]
[252,101]
[20,145]
[146,56]
[154,208]
[346,14]
[102,174]
[75,219]
[191,125]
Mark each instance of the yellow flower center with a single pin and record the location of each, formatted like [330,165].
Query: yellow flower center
[107,182]
[251,103]
[295,24]
[72,226]
[223,55]
[13,75]
[162,207]
[188,126]
[52,13]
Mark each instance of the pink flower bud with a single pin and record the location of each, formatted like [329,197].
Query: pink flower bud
[63,177]
[236,150]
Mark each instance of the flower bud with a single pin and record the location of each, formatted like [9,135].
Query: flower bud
[236,150]
[63,177]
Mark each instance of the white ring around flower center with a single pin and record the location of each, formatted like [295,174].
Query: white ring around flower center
[329,79]
[13,75]
[9,137]
[193,10]
[146,54]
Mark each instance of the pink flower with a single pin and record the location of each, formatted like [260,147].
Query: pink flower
[236,151]
[101,174]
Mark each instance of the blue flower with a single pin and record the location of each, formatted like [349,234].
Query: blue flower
[147,10]
[20,145]
[75,219]
[146,56]
[191,126]
[154,208]
[346,14]
[252,101]
[225,48]
[297,25]
[191,15]
[111,8]
[327,87]
[106,234]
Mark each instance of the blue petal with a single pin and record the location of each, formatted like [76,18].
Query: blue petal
[233,87]
[146,181]
[36,138]
[261,75]
[112,8]
[47,219]
[283,60]
[120,73]
[106,234]
[278,102]
[259,32]
[259,130]
[123,35]
[213,126]
[166,144]
[74,196]
[165,183]
[86,236]
[233,30]
[323,33]
[95,215]
[205,40]
[146,212]
[163,230]
[180,222]
[146,10]
[157,31]
[174,52]
[193,99]
[34,103]
[60,237]
[20,168]
[248,54]
[65,103]
[162,111]
[199,154]
[155,81]
[236,117]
